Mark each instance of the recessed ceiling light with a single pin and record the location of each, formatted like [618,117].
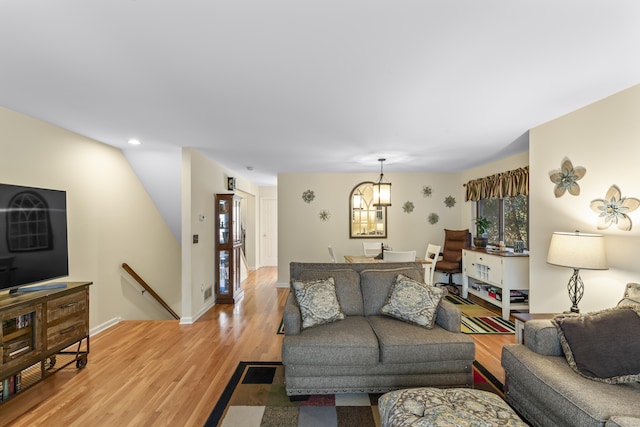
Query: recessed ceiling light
[134,142]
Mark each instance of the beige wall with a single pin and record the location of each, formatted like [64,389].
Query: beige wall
[111,218]
[202,179]
[302,236]
[604,138]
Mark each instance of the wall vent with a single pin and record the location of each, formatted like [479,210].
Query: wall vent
[208,292]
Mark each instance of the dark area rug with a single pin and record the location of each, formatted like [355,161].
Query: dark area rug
[255,397]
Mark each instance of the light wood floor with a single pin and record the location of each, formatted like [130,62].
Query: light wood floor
[155,373]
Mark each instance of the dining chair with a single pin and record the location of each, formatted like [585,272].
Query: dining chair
[371,248]
[432,256]
[332,254]
[399,256]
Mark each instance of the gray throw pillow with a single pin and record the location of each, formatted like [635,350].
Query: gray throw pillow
[413,301]
[318,302]
[602,346]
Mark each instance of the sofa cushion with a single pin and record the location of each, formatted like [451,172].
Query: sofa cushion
[376,285]
[603,346]
[402,342]
[413,301]
[350,342]
[347,287]
[318,302]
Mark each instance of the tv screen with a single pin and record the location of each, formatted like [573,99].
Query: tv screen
[33,235]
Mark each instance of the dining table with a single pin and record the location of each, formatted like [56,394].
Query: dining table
[361,258]
[428,264]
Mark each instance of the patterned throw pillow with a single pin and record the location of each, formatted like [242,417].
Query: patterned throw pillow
[318,302]
[413,301]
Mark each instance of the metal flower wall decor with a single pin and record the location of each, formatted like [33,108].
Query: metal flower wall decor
[308,196]
[408,207]
[433,218]
[613,209]
[449,201]
[324,215]
[566,178]
[427,191]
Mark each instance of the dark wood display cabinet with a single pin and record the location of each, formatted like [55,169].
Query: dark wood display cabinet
[42,332]
[228,249]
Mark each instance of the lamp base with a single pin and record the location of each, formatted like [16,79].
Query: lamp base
[576,291]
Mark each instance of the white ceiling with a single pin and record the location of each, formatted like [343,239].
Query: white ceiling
[315,85]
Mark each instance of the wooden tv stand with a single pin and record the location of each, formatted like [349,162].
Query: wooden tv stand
[37,332]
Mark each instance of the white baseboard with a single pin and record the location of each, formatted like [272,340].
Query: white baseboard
[104,326]
[282,285]
[188,320]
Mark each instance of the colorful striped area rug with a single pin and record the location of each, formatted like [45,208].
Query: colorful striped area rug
[255,397]
[479,320]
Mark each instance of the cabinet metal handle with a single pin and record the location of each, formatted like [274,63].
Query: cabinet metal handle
[71,304]
[66,331]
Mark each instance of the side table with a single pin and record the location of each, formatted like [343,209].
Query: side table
[522,318]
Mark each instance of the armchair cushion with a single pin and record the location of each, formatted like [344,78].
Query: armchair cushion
[413,301]
[603,346]
[318,302]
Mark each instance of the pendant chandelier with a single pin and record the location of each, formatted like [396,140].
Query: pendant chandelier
[382,189]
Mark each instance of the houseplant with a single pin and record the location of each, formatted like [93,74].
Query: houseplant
[482,226]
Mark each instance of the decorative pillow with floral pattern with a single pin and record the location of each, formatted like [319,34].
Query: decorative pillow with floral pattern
[413,301]
[318,302]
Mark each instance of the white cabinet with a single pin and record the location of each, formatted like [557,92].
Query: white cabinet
[493,276]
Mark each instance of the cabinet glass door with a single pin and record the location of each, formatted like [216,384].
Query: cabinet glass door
[223,270]
[224,221]
[18,337]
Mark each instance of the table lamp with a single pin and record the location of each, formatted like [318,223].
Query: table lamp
[578,251]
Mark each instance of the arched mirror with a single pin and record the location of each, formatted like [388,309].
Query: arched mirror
[366,220]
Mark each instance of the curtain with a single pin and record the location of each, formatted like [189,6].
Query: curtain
[506,184]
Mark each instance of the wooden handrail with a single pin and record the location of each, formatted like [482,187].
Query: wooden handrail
[147,288]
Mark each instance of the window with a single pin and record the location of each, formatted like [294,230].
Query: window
[366,220]
[509,218]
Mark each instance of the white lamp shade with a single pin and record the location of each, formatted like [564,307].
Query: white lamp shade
[578,250]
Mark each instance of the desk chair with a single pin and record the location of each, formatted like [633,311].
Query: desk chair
[399,256]
[332,254]
[451,262]
[371,248]
[433,253]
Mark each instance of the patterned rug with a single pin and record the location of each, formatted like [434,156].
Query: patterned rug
[255,397]
[475,318]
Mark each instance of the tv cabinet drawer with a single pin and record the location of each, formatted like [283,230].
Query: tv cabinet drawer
[66,306]
[68,331]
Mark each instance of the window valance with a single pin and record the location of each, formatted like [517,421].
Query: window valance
[506,184]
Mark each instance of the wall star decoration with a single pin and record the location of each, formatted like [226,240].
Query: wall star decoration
[408,207]
[565,178]
[449,201]
[308,196]
[324,215]
[433,218]
[427,191]
[613,209]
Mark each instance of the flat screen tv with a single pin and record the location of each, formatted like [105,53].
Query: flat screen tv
[33,235]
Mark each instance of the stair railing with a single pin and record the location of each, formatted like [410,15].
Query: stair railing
[147,288]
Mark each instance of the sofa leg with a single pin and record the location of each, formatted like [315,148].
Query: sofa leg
[299,398]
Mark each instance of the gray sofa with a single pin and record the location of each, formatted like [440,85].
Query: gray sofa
[542,387]
[368,351]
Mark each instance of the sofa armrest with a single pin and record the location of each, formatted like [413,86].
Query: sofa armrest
[617,421]
[449,316]
[541,336]
[292,319]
